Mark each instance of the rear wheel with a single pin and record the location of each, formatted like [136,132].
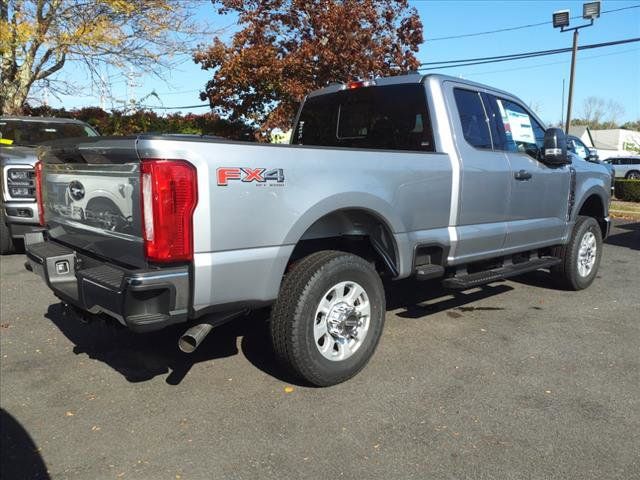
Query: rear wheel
[6,241]
[581,256]
[328,318]
[633,175]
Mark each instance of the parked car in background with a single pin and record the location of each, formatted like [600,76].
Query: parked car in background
[19,139]
[578,147]
[579,151]
[625,167]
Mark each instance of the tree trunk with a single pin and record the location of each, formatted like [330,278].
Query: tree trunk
[13,96]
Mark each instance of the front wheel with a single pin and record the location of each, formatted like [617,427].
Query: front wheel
[580,257]
[633,175]
[328,318]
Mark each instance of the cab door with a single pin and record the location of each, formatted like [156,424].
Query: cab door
[537,212]
[484,178]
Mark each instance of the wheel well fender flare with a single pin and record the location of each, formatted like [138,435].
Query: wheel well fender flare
[341,208]
[593,192]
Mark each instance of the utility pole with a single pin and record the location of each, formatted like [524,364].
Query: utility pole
[590,11]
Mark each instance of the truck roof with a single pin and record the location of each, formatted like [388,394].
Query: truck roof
[412,77]
[27,118]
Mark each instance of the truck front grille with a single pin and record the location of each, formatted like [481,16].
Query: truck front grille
[21,183]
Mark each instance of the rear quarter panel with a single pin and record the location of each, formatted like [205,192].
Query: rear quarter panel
[246,231]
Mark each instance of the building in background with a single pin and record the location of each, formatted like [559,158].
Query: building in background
[614,142]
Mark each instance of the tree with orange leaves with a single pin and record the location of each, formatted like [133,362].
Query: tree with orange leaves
[286,48]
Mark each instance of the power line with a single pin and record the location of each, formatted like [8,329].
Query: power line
[520,56]
[592,57]
[467,62]
[510,29]
[175,108]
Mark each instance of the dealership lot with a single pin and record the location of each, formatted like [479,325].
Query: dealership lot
[514,380]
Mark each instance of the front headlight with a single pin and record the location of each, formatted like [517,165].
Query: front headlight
[21,183]
[20,192]
[19,174]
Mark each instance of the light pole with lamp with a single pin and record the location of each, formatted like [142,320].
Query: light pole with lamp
[590,11]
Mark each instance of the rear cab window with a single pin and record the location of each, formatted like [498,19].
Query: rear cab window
[472,118]
[391,117]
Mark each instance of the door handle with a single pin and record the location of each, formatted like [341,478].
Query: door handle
[522,175]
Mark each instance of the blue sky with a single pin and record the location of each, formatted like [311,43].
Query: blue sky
[611,72]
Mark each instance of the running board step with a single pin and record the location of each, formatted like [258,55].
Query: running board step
[429,271]
[461,282]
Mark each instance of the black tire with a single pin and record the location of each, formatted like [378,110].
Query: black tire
[293,316]
[6,241]
[632,175]
[567,274]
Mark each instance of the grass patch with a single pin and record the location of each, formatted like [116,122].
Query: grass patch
[625,209]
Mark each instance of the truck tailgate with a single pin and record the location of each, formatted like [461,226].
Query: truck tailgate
[91,196]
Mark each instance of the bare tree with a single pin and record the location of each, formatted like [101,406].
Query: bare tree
[614,111]
[599,113]
[39,37]
[593,110]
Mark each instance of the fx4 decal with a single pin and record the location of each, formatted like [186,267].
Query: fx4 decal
[248,175]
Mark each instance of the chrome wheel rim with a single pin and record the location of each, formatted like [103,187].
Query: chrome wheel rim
[587,254]
[633,176]
[342,321]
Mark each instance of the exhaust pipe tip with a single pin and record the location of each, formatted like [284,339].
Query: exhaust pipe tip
[192,338]
[187,343]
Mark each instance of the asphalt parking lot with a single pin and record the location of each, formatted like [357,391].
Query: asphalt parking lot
[516,380]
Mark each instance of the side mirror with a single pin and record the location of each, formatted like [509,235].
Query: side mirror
[593,155]
[555,147]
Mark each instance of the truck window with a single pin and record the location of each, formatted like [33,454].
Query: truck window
[392,117]
[34,132]
[472,118]
[518,131]
[579,148]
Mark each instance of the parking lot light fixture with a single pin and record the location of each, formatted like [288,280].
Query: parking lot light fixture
[591,10]
[561,18]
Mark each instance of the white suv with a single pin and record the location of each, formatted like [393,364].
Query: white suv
[626,167]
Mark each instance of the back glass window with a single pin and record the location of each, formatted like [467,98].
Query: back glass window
[392,117]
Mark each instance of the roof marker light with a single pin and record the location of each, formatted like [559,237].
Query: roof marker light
[360,84]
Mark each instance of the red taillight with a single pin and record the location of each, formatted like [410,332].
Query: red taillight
[38,170]
[169,194]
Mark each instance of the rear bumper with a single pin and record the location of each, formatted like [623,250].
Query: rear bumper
[142,300]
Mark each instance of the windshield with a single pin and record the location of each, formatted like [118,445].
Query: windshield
[390,117]
[21,132]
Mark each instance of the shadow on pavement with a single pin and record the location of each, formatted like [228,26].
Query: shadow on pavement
[19,456]
[630,238]
[419,299]
[141,357]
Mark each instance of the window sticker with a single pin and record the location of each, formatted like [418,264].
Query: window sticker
[520,126]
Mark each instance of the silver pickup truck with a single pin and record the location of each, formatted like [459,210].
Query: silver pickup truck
[429,177]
